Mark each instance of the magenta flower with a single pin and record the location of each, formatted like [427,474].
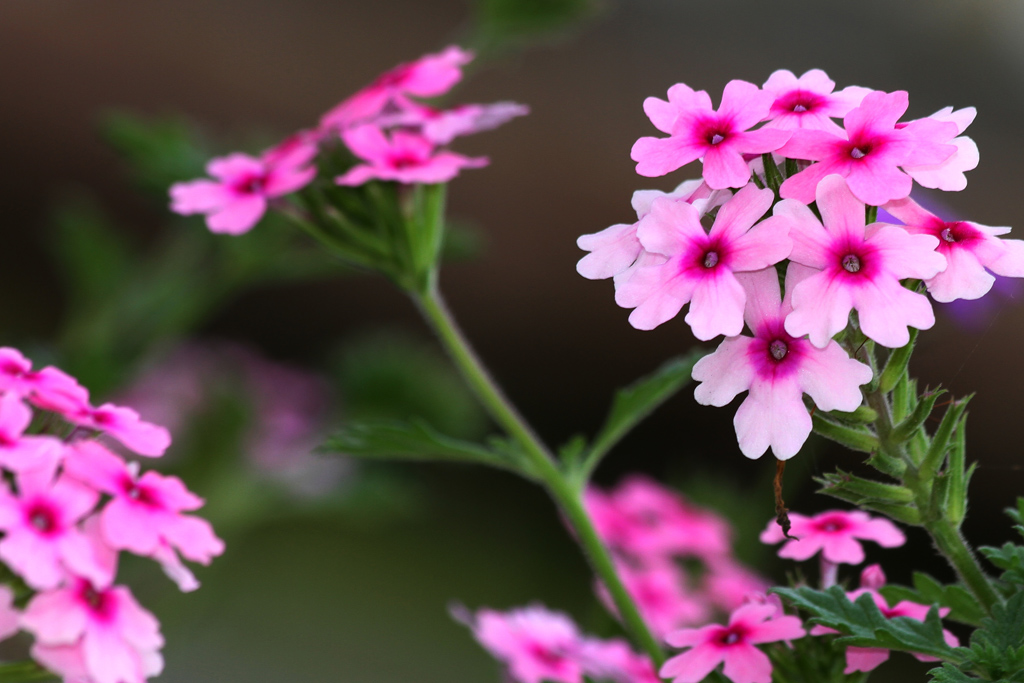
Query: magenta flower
[728,584]
[949,174]
[871,151]
[10,617]
[808,101]
[144,514]
[42,541]
[650,522]
[700,267]
[124,425]
[660,593]
[96,635]
[616,248]
[696,131]
[441,126]
[777,368]
[969,248]
[428,76]
[835,533]
[236,200]
[48,388]
[868,658]
[614,661]
[536,644]
[733,644]
[845,265]
[17,451]
[404,157]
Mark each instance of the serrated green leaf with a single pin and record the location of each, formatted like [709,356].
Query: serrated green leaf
[634,403]
[416,440]
[940,442]
[866,489]
[864,625]
[905,429]
[1009,558]
[853,438]
[997,648]
[949,673]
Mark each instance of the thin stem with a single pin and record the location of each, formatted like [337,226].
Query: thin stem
[541,461]
[952,545]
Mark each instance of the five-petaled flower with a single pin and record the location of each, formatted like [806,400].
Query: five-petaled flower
[836,534]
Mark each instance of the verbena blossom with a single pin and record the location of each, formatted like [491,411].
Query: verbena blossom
[809,101]
[836,534]
[616,248]
[539,645]
[845,265]
[700,267]
[734,644]
[949,175]
[970,250]
[243,185]
[403,156]
[870,153]
[868,658]
[662,596]
[697,131]
[777,368]
[429,76]
[99,635]
[441,126]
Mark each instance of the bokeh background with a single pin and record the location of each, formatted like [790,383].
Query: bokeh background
[341,572]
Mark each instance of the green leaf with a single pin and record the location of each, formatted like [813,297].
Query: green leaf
[505,24]
[864,625]
[96,259]
[1009,558]
[415,441]
[161,151]
[896,364]
[964,608]
[959,475]
[863,415]
[24,672]
[940,442]
[997,648]
[864,489]
[949,673]
[634,403]
[905,429]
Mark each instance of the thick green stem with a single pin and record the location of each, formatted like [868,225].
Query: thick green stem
[953,546]
[542,463]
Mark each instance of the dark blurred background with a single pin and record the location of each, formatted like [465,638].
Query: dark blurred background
[342,595]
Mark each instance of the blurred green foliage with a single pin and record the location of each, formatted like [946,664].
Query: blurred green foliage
[505,25]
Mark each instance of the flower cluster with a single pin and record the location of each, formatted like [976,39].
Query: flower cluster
[651,531]
[70,504]
[836,534]
[539,645]
[393,136]
[790,195]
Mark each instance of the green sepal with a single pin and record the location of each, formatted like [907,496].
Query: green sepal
[863,624]
[896,364]
[772,177]
[907,514]
[959,475]
[886,464]
[425,230]
[864,489]
[863,415]
[905,429]
[903,395]
[853,438]
[963,606]
[417,440]
[940,441]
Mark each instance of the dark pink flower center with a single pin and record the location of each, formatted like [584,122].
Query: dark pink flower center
[405,161]
[778,349]
[99,602]
[832,525]
[546,655]
[140,494]
[952,233]
[11,368]
[42,519]
[102,418]
[711,259]
[250,184]
[732,635]
[860,152]
[851,263]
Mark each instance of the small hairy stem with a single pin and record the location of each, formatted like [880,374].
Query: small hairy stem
[952,545]
[542,463]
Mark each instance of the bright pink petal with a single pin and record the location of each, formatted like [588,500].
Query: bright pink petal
[658,156]
[832,378]
[821,307]
[746,664]
[724,374]
[773,415]
[612,251]
[238,216]
[723,168]
[864,658]
[693,665]
[886,310]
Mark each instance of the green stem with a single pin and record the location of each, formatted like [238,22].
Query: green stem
[542,462]
[952,545]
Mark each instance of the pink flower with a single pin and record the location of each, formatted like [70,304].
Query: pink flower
[969,248]
[728,584]
[700,267]
[808,101]
[949,174]
[42,541]
[870,153]
[616,248]
[10,617]
[614,661]
[845,265]
[868,658]
[96,635]
[124,425]
[144,514]
[405,157]
[536,644]
[659,591]
[17,451]
[48,388]
[649,521]
[697,131]
[428,76]
[777,368]
[734,644]
[443,126]
[237,199]
[835,533]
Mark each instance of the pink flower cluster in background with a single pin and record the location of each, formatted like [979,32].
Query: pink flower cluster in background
[538,645]
[651,530]
[393,136]
[803,222]
[71,505]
